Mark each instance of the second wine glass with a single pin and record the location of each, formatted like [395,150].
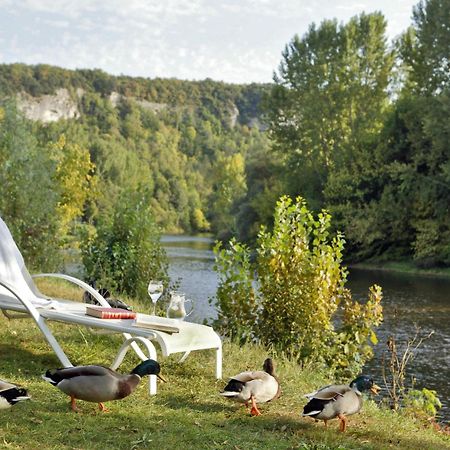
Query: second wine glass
[155,290]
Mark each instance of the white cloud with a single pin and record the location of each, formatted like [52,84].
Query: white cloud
[230,40]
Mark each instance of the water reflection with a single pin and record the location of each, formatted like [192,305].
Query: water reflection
[191,267]
[413,303]
[409,302]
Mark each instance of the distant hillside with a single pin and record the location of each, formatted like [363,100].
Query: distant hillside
[190,145]
[49,93]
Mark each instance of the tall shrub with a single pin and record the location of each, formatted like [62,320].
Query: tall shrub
[124,252]
[293,297]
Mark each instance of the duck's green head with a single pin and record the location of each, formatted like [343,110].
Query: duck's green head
[364,383]
[148,367]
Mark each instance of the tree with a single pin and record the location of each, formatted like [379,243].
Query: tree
[415,154]
[74,182]
[28,200]
[328,102]
[426,46]
[229,185]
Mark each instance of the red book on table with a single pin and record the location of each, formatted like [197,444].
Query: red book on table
[102,312]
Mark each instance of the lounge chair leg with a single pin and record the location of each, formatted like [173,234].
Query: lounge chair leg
[183,358]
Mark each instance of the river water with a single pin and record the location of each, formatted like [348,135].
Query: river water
[410,302]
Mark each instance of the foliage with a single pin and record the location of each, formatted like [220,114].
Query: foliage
[300,278]
[236,296]
[290,296]
[74,178]
[44,188]
[422,403]
[263,175]
[362,130]
[425,48]
[352,343]
[328,102]
[396,365]
[169,135]
[229,186]
[357,127]
[124,253]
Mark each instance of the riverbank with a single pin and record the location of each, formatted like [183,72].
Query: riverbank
[187,412]
[402,267]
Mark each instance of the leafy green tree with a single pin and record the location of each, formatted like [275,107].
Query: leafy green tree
[166,135]
[425,51]
[28,200]
[328,103]
[426,46]
[236,297]
[405,212]
[74,182]
[229,186]
[299,290]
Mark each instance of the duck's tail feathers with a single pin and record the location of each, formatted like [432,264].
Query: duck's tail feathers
[21,398]
[311,394]
[229,394]
[47,377]
[311,413]
[15,395]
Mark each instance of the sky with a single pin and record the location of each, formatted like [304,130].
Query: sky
[235,41]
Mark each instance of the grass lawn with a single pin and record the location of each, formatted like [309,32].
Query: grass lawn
[187,413]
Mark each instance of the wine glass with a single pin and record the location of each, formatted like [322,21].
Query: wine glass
[155,290]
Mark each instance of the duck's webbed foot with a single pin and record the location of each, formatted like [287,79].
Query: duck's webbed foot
[73,404]
[343,422]
[102,407]
[254,411]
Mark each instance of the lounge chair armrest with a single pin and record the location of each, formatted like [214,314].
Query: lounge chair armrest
[78,282]
[27,303]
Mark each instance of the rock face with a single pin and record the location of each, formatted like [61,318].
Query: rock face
[115,99]
[234,114]
[48,108]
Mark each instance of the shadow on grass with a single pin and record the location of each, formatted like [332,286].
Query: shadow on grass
[17,359]
[187,401]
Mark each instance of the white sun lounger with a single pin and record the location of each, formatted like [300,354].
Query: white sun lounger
[19,297]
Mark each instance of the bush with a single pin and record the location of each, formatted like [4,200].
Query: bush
[422,404]
[124,252]
[291,296]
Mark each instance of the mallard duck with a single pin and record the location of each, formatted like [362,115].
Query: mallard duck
[256,387]
[98,383]
[113,302]
[338,400]
[10,394]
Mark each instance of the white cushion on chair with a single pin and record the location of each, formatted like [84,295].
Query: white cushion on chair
[14,272]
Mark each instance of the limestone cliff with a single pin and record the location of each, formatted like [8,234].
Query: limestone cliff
[48,108]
